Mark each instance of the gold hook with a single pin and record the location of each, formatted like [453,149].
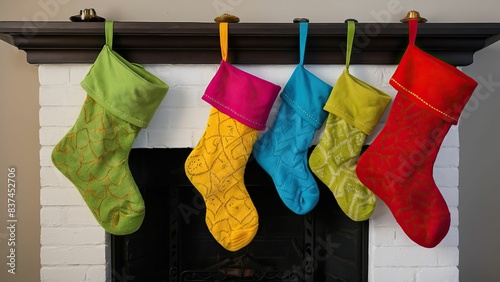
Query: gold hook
[227,18]
[87,15]
[413,15]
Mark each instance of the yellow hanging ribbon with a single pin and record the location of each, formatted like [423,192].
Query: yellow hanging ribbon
[223,31]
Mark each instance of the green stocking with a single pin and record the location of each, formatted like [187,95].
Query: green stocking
[354,109]
[121,99]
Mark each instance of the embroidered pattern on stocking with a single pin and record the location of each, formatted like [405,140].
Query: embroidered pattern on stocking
[216,168]
[334,162]
[94,156]
[282,152]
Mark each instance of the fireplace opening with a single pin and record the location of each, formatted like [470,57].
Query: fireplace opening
[174,244]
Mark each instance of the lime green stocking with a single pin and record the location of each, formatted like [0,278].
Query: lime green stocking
[121,99]
[354,109]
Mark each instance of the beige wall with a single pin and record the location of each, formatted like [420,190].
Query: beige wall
[254,10]
[19,148]
[19,106]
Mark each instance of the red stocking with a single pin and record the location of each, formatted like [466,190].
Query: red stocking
[398,165]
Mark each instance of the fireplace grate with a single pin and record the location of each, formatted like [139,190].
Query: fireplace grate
[173,243]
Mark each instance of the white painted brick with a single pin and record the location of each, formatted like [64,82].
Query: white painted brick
[450,195]
[45,156]
[141,140]
[382,216]
[59,116]
[204,105]
[273,113]
[373,76]
[77,73]
[62,96]
[61,196]
[167,73]
[454,216]
[447,256]
[50,176]
[416,255]
[53,74]
[391,91]
[393,274]
[184,97]
[452,139]
[329,74]
[276,106]
[197,134]
[451,239]
[78,236]
[447,157]
[50,217]
[89,254]
[97,274]
[385,257]
[160,119]
[65,273]
[170,138]
[395,237]
[67,217]
[383,236]
[278,75]
[160,70]
[80,216]
[50,135]
[185,75]
[400,238]
[446,177]
[187,118]
[391,236]
[317,135]
[405,256]
[388,71]
[441,274]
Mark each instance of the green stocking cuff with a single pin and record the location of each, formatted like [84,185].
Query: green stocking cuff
[358,103]
[125,89]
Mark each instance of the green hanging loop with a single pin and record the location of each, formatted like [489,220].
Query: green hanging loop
[351,29]
[108,29]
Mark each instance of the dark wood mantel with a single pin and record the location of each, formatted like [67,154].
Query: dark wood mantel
[249,43]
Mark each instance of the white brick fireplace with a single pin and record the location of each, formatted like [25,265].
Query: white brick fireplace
[75,248]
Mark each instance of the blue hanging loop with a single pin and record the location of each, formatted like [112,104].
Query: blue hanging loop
[303,38]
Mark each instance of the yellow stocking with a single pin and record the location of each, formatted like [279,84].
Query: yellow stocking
[216,167]
[241,103]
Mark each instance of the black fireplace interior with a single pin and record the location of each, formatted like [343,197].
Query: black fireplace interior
[174,244]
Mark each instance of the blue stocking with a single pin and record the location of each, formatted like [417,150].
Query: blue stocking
[282,151]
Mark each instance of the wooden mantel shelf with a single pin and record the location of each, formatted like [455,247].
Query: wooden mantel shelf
[249,43]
